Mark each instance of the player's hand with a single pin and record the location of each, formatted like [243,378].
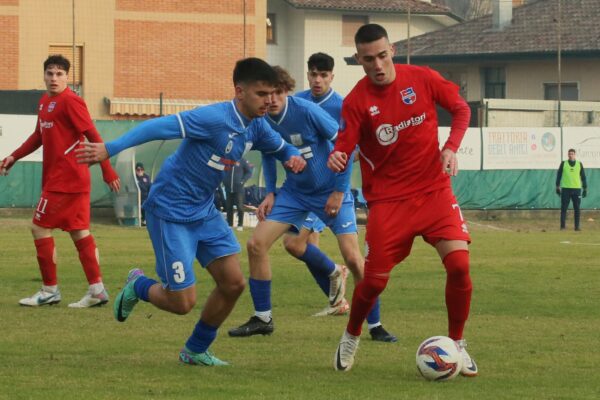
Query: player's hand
[449,162]
[558,190]
[265,207]
[90,153]
[337,161]
[334,204]
[295,164]
[6,165]
[115,185]
[584,193]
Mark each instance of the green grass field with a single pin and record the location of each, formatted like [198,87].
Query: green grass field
[534,326]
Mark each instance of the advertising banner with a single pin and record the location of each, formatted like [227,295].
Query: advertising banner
[586,142]
[469,153]
[14,130]
[521,148]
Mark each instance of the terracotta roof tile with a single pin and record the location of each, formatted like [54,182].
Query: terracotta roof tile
[401,6]
[533,31]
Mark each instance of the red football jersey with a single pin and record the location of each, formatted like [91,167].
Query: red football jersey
[396,129]
[62,120]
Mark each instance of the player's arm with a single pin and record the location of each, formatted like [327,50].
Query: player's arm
[163,128]
[109,175]
[33,142]
[446,94]
[347,138]
[269,167]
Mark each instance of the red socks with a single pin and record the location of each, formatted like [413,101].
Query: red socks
[45,255]
[88,255]
[363,299]
[458,291]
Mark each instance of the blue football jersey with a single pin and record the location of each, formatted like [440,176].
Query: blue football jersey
[214,138]
[311,130]
[331,102]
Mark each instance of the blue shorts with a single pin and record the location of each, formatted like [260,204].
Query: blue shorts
[176,244]
[313,223]
[293,209]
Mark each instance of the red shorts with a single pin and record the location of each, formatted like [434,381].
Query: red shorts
[67,211]
[392,227]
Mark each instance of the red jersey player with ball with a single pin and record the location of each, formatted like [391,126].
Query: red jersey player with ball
[63,122]
[391,115]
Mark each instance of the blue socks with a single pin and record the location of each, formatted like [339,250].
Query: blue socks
[142,285]
[319,265]
[373,316]
[201,338]
[261,294]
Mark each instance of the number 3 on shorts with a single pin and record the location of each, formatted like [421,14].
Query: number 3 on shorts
[178,272]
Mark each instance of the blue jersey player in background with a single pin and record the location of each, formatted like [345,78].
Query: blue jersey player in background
[320,76]
[182,221]
[308,127]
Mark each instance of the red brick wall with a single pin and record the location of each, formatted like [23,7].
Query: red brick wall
[182,60]
[9,49]
[187,6]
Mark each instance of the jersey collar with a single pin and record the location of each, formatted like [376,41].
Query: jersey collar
[243,120]
[278,119]
[322,99]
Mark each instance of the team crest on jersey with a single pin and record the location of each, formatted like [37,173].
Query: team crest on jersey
[296,139]
[51,106]
[408,96]
[229,147]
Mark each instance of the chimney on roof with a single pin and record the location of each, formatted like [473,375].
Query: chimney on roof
[501,14]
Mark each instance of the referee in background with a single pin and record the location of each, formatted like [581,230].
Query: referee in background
[570,180]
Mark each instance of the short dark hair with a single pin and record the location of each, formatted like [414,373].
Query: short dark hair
[369,33]
[284,79]
[571,150]
[59,60]
[320,62]
[252,69]
[139,165]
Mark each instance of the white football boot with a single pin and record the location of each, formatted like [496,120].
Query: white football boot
[91,300]
[344,355]
[341,308]
[337,284]
[469,368]
[41,298]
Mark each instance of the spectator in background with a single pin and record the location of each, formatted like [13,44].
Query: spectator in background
[234,181]
[144,184]
[570,180]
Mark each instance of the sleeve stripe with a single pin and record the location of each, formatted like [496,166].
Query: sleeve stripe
[181,127]
[279,148]
[367,160]
[334,137]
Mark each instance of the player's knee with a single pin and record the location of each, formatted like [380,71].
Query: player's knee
[373,284]
[256,247]
[234,289]
[293,246]
[457,267]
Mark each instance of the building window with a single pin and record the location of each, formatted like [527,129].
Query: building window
[271,24]
[350,24]
[494,83]
[568,91]
[76,73]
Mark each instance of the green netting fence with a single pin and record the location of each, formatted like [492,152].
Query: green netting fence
[489,189]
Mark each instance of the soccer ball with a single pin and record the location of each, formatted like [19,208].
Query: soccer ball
[439,359]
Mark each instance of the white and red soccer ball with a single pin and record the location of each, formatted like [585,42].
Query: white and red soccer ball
[439,359]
